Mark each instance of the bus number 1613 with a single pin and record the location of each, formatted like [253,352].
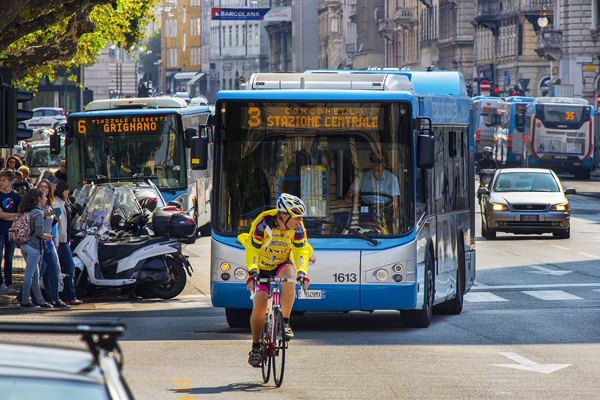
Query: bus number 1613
[340,277]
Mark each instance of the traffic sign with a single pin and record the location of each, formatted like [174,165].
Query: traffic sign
[242,79]
[484,86]
[598,99]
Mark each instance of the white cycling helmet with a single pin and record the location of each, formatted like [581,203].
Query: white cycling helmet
[286,203]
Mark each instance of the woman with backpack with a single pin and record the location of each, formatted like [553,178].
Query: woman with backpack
[64,251]
[33,249]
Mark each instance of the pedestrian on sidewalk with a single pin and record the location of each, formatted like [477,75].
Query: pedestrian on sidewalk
[50,263]
[20,185]
[9,205]
[61,172]
[67,265]
[13,163]
[25,171]
[33,249]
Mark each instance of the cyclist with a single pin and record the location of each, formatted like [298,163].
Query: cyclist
[276,246]
[487,162]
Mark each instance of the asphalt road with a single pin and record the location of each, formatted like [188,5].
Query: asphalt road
[529,330]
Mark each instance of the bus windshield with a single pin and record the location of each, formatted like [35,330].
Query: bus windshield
[351,163]
[562,116]
[121,146]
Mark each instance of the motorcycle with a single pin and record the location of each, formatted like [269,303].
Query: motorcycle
[108,256]
[485,178]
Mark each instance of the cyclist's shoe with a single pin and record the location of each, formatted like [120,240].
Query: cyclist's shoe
[255,358]
[287,332]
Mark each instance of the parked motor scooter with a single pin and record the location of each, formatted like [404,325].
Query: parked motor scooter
[105,258]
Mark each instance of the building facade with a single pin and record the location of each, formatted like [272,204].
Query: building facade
[181,55]
[238,49]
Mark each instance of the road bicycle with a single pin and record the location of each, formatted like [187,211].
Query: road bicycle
[272,343]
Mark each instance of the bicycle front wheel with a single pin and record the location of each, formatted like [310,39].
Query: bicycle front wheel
[278,351]
[266,360]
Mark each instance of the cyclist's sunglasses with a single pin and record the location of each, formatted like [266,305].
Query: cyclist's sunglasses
[377,160]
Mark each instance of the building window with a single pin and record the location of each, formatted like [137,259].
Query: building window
[183,14]
[224,37]
[243,35]
[175,58]
[231,36]
[237,35]
[183,47]
[175,28]
[256,34]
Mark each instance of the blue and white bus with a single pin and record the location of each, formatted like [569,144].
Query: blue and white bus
[485,108]
[508,138]
[559,135]
[118,138]
[312,135]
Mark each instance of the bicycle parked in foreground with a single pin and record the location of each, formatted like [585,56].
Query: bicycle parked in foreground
[272,343]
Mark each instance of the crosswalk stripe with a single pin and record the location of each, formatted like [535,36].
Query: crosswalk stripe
[481,297]
[552,295]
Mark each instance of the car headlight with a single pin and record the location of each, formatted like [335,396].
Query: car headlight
[499,207]
[560,207]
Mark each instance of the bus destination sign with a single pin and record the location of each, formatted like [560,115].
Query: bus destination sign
[146,124]
[328,116]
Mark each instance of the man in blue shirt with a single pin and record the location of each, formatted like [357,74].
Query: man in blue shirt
[376,180]
[9,204]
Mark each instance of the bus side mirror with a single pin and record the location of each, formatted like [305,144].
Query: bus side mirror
[189,134]
[55,144]
[520,121]
[425,151]
[199,153]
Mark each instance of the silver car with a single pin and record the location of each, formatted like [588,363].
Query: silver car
[525,201]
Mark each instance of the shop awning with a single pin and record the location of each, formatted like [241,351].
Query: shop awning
[195,79]
[184,76]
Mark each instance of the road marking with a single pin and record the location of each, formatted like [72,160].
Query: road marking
[540,286]
[528,365]
[114,306]
[552,295]
[581,198]
[560,247]
[189,303]
[482,297]
[479,284]
[546,271]
[588,255]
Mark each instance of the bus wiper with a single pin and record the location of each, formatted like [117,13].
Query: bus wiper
[347,227]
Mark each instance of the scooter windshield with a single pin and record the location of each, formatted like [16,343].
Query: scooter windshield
[99,207]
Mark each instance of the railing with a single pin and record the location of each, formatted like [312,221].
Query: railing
[386,25]
[550,40]
[492,8]
[405,16]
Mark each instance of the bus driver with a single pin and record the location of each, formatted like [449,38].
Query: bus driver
[276,246]
[376,180]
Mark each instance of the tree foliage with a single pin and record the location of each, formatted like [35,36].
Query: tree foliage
[36,36]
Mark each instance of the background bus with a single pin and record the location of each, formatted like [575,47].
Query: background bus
[508,138]
[406,253]
[560,136]
[485,107]
[118,138]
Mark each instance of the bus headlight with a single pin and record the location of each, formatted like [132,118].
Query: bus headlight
[225,266]
[398,268]
[225,276]
[241,274]
[397,278]
[381,274]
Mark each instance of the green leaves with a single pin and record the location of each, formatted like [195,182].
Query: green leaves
[42,35]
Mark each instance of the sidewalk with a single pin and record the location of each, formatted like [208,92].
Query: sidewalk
[18,271]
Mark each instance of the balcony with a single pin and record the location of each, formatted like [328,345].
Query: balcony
[549,44]
[405,17]
[353,13]
[386,27]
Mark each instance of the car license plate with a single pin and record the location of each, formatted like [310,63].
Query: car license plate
[310,294]
[530,218]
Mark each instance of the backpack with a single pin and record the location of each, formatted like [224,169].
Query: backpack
[20,231]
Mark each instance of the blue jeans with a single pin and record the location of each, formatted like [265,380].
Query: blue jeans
[31,279]
[8,248]
[51,271]
[68,267]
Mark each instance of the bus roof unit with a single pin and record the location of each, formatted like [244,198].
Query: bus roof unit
[144,102]
[564,100]
[329,81]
